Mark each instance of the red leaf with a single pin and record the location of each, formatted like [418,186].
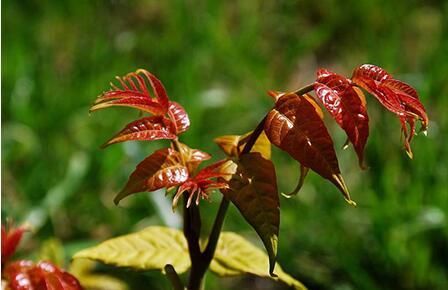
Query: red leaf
[10,240]
[295,125]
[148,128]
[140,103]
[201,184]
[179,116]
[25,275]
[161,169]
[134,93]
[347,106]
[398,97]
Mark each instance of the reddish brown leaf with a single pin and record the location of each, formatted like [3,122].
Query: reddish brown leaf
[253,190]
[192,157]
[296,126]
[347,106]
[398,97]
[161,169]
[148,128]
[133,92]
[201,184]
[11,237]
[140,103]
[179,116]
[25,275]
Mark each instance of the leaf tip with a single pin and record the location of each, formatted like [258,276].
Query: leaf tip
[351,202]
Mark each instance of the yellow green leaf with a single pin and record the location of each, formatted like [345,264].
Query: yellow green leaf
[253,190]
[232,145]
[149,249]
[82,269]
[236,256]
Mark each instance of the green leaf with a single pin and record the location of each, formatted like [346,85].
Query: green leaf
[253,190]
[149,249]
[236,256]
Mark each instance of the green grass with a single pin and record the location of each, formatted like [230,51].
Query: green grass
[218,59]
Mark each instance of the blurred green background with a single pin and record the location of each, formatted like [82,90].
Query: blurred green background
[218,58]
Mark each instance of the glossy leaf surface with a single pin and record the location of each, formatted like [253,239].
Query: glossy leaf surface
[236,256]
[25,275]
[347,106]
[149,249]
[148,128]
[192,157]
[179,116]
[398,97]
[253,190]
[161,169]
[295,125]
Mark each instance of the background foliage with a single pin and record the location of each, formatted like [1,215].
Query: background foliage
[217,58]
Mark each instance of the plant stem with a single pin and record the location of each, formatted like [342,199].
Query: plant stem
[173,277]
[254,136]
[216,231]
[305,89]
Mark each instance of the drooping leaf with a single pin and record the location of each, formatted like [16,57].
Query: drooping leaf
[202,184]
[179,116]
[236,256]
[23,275]
[347,106]
[148,249]
[396,96]
[253,190]
[295,125]
[192,157]
[232,145]
[303,173]
[148,128]
[163,168]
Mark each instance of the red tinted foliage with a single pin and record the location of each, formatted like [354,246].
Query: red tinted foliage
[202,183]
[25,275]
[398,97]
[10,240]
[295,125]
[347,106]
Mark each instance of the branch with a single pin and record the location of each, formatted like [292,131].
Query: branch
[173,277]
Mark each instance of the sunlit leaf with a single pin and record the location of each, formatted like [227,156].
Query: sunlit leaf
[149,249]
[148,128]
[296,126]
[253,190]
[396,96]
[237,256]
[83,269]
[232,145]
[346,106]
[161,169]
[192,157]
[179,116]
[140,103]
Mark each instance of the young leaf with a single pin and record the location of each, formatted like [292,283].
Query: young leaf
[148,128]
[192,157]
[11,237]
[253,190]
[347,106]
[396,96]
[295,125]
[161,169]
[134,93]
[149,249]
[179,116]
[236,256]
[232,145]
[202,184]
[24,275]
